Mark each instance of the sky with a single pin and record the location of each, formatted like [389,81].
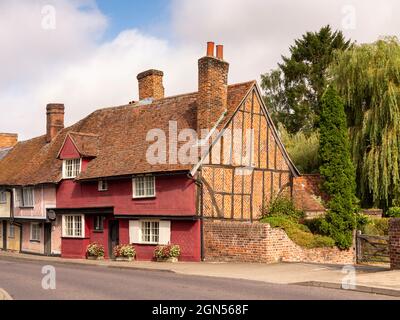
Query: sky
[87,53]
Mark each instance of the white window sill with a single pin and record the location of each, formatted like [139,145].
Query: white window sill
[147,243]
[144,197]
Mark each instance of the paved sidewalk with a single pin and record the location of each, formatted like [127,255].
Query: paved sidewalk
[368,278]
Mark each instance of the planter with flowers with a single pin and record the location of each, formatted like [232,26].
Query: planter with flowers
[124,252]
[95,251]
[169,253]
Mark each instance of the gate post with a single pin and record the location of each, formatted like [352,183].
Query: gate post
[394,243]
[358,247]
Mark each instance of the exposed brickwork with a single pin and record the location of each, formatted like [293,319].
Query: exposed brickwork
[213,91]
[258,242]
[307,194]
[55,120]
[394,243]
[8,140]
[151,84]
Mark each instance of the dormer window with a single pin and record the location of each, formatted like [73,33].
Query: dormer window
[144,187]
[71,168]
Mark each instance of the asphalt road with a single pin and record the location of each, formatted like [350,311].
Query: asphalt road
[23,280]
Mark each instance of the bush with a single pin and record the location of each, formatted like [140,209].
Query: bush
[299,233]
[393,212]
[362,221]
[169,251]
[377,227]
[302,148]
[283,206]
[124,251]
[337,171]
[95,250]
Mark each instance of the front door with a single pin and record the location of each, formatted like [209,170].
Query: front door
[113,226]
[47,239]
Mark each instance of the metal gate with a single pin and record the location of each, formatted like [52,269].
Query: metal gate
[372,249]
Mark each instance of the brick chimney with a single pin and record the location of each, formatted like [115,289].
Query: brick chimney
[55,120]
[8,140]
[151,84]
[213,87]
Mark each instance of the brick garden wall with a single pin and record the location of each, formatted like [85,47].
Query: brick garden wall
[394,243]
[258,242]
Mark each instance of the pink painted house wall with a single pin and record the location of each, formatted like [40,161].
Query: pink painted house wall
[44,198]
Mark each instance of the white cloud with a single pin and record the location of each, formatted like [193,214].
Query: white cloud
[71,65]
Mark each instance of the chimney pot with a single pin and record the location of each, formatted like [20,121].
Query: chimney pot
[220,52]
[55,120]
[151,84]
[210,49]
[212,91]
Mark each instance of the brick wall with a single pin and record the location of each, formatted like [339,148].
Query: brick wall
[258,242]
[394,243]
[307,193]
[151,84]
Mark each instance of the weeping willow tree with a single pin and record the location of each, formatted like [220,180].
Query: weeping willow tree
[368,79]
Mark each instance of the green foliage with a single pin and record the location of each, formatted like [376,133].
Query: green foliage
[95,250]
[302,148]
[393,212]
[362,221]
[169,251]
[299,233]
[124,251]
[368,78]
[377,227]
[293,91]
[337,171]
[283,206]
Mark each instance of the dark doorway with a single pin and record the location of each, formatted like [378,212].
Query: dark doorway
[113,239]
[47,239]
[4,224]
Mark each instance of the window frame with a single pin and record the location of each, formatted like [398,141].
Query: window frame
[151,233]
[102,185]
[74,233]
[64,168]
[38,231]
[145,189]
[3,197]
[23,203]
[95,223]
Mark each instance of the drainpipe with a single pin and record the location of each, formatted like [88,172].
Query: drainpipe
[199,183]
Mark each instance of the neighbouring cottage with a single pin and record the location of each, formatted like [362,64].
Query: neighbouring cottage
[157,171]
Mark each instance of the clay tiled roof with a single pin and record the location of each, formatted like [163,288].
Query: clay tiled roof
[3,152]
[115,137]
[87,144]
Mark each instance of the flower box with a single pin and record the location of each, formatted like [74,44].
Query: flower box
[95,251]
[124,252]
[124,259]
[95,258]
[169,253]
[171,259]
